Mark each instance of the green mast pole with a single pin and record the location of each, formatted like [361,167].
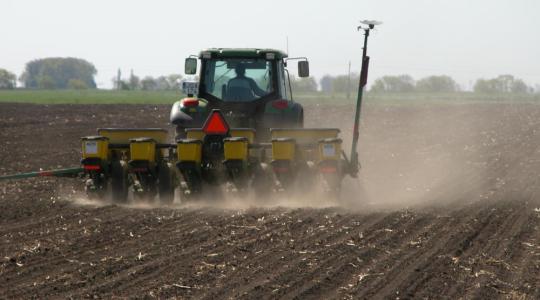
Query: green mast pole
[354,164]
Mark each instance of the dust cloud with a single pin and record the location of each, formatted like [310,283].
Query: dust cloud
[418,155]
[414,155]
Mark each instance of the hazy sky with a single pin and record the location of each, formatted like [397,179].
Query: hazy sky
[466,39]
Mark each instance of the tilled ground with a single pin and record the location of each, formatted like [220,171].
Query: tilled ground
[447,206]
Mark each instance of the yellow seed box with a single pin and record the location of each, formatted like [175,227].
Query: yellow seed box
[330,149]
[189,150]
[142,149]
[283,149]
[236,148]
[95,147]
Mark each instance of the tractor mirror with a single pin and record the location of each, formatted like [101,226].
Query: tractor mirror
[191,66]
[303,68]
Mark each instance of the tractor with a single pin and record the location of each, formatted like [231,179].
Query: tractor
[238,130]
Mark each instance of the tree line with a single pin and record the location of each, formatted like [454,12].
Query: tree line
[52,73]
[406,83]
[76,73]
[59,73]
[445,84]
[147,83]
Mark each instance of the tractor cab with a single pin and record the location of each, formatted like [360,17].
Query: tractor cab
[251,87]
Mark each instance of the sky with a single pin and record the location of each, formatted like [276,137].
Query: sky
[466,39]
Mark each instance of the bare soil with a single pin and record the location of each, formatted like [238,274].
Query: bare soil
[447,206]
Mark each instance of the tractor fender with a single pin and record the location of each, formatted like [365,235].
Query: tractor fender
[178,117]
[296,115]
[286,114]
[299,114]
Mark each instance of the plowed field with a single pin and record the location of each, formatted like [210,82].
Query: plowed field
[447,206]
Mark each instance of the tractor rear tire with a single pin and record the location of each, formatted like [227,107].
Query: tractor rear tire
[119,184]
[165,183]
[195,187]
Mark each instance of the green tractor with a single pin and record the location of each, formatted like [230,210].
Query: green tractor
[238,128]
[251,87]
[250,130]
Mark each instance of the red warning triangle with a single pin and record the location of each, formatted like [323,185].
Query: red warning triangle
[216,124]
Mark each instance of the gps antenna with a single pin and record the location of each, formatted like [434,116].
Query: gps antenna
[367,26]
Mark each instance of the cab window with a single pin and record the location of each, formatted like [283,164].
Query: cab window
[238,80]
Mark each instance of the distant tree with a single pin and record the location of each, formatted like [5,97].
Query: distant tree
[148,83]
[46,82]
[501,84]
[326,83]
[175,81]
[303,85]
[117,81]
[341,83]
[134,81]
[519,86]
[7,80]
[162,83]
[57,72]
[77,84]
[121,84]
[436,84]
[505,83]
[124,86]
[485,86]
[400,83]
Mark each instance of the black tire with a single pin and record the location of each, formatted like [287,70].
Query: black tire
[96,188]
[192,191]
[238,176]
[300,123]
[119,185]
[165,183]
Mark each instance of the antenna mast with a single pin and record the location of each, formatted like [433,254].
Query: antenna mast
[366,26]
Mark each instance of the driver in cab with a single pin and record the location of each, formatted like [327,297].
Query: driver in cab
[243,88]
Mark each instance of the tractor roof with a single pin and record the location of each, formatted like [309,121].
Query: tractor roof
[242,52]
